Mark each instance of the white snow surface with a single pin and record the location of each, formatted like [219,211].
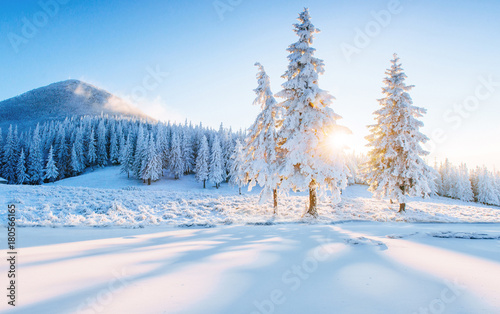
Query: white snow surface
[353,267]
[104,197]
[248,261]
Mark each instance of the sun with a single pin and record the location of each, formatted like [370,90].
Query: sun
[338,141]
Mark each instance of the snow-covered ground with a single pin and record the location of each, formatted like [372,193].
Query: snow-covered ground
[355,267]
[214,251]
[105,197]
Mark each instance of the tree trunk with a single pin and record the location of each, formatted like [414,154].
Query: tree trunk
[275,200]
[204,183]
[313,200]
[391,201]
[240,190]
[402,207]
[149,181]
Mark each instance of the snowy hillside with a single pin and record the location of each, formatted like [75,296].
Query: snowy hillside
[105,197]
[60,100]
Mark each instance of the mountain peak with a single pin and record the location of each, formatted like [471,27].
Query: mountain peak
[63,99]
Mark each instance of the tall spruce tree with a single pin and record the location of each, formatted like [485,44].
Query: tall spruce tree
[91,150]
[151,165]
[35,159]
[22,176]
[176,162]
[261,160]
[202,161]
[238,174]
[10,155]
[101,153]
[51,171]
[395,167]
[308,123]
[217,172]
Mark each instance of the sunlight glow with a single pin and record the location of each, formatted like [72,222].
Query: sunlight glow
[338,141]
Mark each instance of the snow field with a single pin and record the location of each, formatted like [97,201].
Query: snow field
[357,267]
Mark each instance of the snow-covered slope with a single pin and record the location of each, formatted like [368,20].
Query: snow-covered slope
[61,100]
[105,197]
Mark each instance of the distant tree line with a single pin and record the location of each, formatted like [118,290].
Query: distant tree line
[480,185]
[60,149]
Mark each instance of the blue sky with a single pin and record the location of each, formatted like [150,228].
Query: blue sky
[448,49]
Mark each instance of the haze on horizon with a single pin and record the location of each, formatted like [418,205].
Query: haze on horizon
[180,60]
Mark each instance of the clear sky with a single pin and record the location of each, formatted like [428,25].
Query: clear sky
[449,49]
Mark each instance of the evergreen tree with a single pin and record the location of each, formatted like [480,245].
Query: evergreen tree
[446,173]
[79,144]
[140,151]
[127,156]
[101,153]
[474,180]
[487,193]
[395,167]
[51,171]
[61,155]
[308,123]
[35,159]
[187,151]
[464,186]
[216,170]
[261,160]
[22,176]
[91,151]
[114,153]
[10,155]
[176,162]
[76,165]
[239,176]
[202,161]
[152,165]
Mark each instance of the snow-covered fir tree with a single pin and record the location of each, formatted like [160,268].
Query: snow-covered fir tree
[395,167]
[76,164]
[127,156]
[10,155]
[51,171]
[101,152]
[462,187]
[238,174]
[114,153]
[261,160]
[176,161]
[308,123]
[22,176]
[202,161]
[140,151]
[217,173]
[61,151]
[91,150]
[79,144]
[446,174]
[487,192]
[187,151]
[151,165]
[35,159]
